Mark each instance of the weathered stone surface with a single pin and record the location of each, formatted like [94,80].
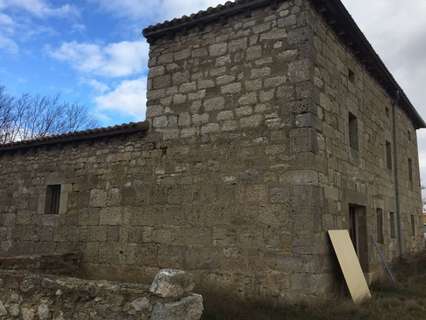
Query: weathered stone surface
[172,283]
[14,310]
[3,311]
[86,299]
[141,304]
[28,313]
[188,308]
[43,311]
[218,49]
[237,112]
[214,104]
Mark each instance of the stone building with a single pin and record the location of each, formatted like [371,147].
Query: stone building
[268,123]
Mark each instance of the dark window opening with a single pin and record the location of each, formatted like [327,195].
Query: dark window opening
[388,155]
[413,225]
[353,132]
[392,225]
[387,112]
[409,135]
[53,199]
[410,171]
[380,235]
[351,75]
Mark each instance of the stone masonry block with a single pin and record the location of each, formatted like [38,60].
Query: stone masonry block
[111,217]
[212,104]
[303,140]
[97,198]
[218,49]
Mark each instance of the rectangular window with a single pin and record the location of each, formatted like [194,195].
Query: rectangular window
[413,225]
[53,199]
[392,225]
[387,112]
[380,235]
[410,171]
[388,155]
[353,132]
[351,75]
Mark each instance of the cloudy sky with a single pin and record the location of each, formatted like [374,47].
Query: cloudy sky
[92,51]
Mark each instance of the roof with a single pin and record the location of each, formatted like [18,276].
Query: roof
[336,16]
[78,136]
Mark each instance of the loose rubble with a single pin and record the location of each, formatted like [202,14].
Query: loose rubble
[39,297]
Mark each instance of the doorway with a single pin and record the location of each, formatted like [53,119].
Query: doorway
[358,233]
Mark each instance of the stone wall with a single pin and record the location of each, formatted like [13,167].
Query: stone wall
[247,81]
[343,86]
[250,72]
[225,185]
[35,296]
[244,169]
[66,264]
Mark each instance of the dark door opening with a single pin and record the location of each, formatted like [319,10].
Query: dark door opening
[358,233]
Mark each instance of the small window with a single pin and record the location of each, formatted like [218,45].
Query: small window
[410,171]
[380,235]
[388,155]
[409,135]
[53,199]
[387,112]
[413,225]
[353,132]
[392,225]
[351,75]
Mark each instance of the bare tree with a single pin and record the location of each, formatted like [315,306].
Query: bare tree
[29,117]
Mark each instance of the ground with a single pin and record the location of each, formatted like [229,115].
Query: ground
[407,301]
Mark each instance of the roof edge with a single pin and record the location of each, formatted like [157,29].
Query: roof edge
[77,136]
[154,32]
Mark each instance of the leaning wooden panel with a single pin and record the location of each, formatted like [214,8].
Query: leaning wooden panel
[350,265]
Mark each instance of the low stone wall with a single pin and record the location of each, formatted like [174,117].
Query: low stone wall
[30,296]
[65,264]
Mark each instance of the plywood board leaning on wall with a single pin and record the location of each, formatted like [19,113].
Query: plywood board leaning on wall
[350,265]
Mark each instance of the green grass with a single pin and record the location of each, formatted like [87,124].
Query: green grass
[407,301]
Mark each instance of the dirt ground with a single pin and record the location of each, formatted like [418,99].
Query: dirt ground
[407,301]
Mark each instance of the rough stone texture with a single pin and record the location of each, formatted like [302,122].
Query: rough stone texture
[362,177]
[188,308]
[170,283]
[246,166]
[71,298]
[66,264]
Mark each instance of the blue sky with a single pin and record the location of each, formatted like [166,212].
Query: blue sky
[92,51]
[89,51]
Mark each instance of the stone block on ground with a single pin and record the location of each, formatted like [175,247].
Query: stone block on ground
[170,283]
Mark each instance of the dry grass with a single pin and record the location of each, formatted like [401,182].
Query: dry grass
[406,302]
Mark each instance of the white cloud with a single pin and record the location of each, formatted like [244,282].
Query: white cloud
[129,98]
[39,8]
[17,20]
[96,85]
[6,22]
[7,29]
[162,9]
[112,60]
[8,44]
[78,28]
